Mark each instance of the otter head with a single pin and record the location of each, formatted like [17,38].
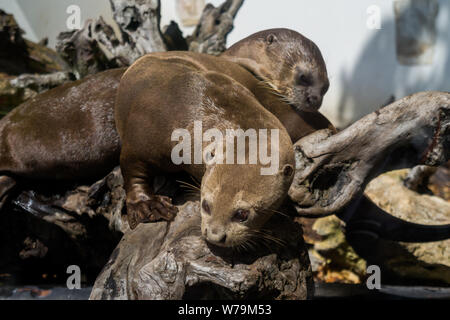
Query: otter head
[288,63]
[236,200]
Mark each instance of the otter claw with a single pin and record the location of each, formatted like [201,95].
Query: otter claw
[155,208]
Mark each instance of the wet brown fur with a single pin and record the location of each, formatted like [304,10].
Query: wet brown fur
[198,90]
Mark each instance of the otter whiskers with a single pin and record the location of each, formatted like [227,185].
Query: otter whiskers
[188,186]
[189,189]
[266,238]
[268,85]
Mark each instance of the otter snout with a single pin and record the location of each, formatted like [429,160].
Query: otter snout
[216,236]
[314,101]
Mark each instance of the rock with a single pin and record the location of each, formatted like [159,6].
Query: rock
[418,263]
[388,193]
[172,261]
[339,256]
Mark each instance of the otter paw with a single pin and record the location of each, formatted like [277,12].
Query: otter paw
[154,208]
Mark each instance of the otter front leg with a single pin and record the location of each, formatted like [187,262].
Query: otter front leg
[141,202]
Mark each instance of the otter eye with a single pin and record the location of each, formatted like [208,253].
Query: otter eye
[303,80]
[241,215]
[288,170]
[205,207]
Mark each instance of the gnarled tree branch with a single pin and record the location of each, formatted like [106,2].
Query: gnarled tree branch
[333,169]
[215,24]
[96,47]
[171,260]
[139,23]
[161,261]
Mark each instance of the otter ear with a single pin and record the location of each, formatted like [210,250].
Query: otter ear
[288,170]
[271,38]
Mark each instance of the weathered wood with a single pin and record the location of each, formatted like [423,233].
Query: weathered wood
[41,83]
[65,224]
[161,261]
[82,51]
[67,208]
[172,261]
[333,169]
[96,47]
[139,23]
[419,177]
[210,35]
[27,59]
[18,55]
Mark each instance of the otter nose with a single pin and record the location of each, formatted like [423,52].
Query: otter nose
[216,236]
[314,100]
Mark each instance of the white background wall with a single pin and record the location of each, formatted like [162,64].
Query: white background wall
[362,63]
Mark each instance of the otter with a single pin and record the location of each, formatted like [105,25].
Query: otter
[287,62]
[262,79]
[291,77]
[236,199]
[66,133]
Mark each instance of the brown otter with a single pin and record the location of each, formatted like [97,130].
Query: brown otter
[298,122]
[237,199]
[281,59]
[67,133]
[287,62]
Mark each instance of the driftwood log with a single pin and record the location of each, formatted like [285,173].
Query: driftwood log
[171,260]
[332,170]
[162,261]
[210,35]
[96,47]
